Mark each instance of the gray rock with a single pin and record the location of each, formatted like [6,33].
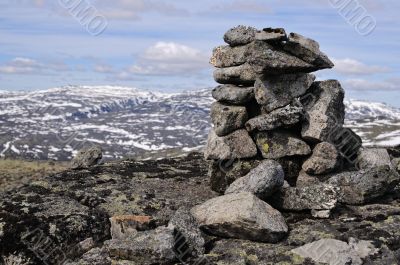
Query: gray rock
[396,164]
[271,34]
[280,143]
[189,240]
[227,118]
[235,145]
[126,226]
[347,142]
[321,214]
[324,111]
[158,245]
[267,59]
[87,157]
[261,181]
[373,157]
[236,75]
[312,197]
[336,252]
[304,180]
[241,215]
[232,94]
[307,50]
[282,117]
[222,173]
[273,92]
[291,166]
[325,159]
[240,35]
[226,56]
[359,187]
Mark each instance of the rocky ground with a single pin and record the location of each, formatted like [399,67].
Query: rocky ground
[64,219]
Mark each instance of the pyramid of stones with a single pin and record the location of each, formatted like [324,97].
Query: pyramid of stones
[269,106]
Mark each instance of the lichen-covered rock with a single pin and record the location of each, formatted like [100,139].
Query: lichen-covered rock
[235,145]
[236,75]
[291,166]
[158,245]
[324,159]
[312,197]
[362,186]
[240,35]
[305,179]
[87,157]
[123,227]
[307,50]
[261,181]
[241,215]
[227,118]
[278,144]
[324,111]
[232,94]
[224,172]
[373,157]
[282,117]
[226,56]
[271,35]
[274,92]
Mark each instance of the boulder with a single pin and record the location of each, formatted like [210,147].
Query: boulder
[282,117]
[373,157]
[336,252]
[312,197]
[271,35]
[273,92]
[365,185]
[280,143]
[243,216]
[87,157]
[271,60]
[240,35]
[304,180]
[261,181]
[324,159]
[189,240]
[226,56]
[126,226]
[307,50]
[232,94]
[236,75]
[224,172]
[324,111]
[227,118]
[235,145]
[158,245]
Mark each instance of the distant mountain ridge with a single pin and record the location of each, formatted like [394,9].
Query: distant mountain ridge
[55,123]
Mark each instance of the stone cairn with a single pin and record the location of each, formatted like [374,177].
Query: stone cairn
[278,141]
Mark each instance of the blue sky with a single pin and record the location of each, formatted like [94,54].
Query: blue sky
[165,45]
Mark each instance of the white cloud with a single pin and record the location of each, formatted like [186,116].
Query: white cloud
[363,84]
[170,58]
[103,68]
[349,66]
[22,65]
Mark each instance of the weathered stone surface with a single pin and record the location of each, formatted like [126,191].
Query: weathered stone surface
[158,245]
[373,157]
[267,59]
[321,214]
[313,197]
[226,56]
[271,35]
[235,145]
[189,240]
[232,94]
[304,180]
[241,215]
[227,118]
[283,117]
[123,227]
[224,172]
[278,144]
[347,142]
[358,187]
[240,35]
[261,181]
[291,166]
[396,164]
[273,92]
[324,159]
[324,111]
[307,50]
[236,75]
[87,157]
[336,252]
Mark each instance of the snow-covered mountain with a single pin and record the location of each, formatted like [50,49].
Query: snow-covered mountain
[55,123]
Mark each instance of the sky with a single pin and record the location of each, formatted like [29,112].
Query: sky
[165,45]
